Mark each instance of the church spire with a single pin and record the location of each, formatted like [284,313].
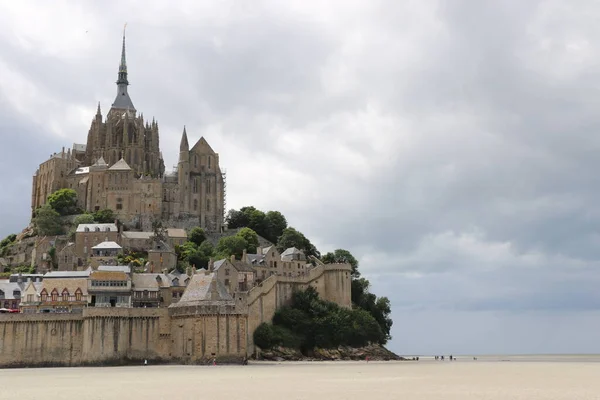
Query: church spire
[184,146]
[123,101]
[123,66]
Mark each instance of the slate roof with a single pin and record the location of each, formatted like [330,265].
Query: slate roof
[115,268]
[68,274]
[107,245]
[293,253]
[120,165]
[100,162]
[204,289]
[149,281]
[137,235]
[9,287]
[81,170]
[92,227]
[255,259]
[71,284]
[176,233]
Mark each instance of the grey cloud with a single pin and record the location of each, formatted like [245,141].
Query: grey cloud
[396,131]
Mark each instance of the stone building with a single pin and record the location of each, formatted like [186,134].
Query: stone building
[121,168]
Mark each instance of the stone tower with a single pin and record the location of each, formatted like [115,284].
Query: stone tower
[124,134]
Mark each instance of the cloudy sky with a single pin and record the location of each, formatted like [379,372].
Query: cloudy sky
[450,145]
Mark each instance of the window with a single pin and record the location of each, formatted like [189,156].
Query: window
[30,298]
[65,295]
[66,258]
[209,161]
[119,206]
[97,229]
[54,295]
[195,204]
[195,160]
[44,295]
[207,186]
[78,294]
[207,204]
[87,229]
[195,185]
[227,272]
[226,282]
[165,195]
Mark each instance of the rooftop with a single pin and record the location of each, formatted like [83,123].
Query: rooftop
[97,228]
[107,245]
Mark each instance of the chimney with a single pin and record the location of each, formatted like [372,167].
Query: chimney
[211,264]
[258,250]
[244,254]
[232,258]
[20,278]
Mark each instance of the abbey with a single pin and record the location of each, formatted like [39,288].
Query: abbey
[121,168]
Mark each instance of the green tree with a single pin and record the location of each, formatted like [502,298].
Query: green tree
[47,221]
[236,219]
[83,219]
[231,245]
[8,240]
[342,256]
[64,201]
[274,224]
[256,219]
[293,238]
[105,216]
[250,237]
[379,308]
[197,235]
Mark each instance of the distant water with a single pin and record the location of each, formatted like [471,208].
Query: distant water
[549,378]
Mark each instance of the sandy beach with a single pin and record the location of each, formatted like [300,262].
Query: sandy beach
[527,378]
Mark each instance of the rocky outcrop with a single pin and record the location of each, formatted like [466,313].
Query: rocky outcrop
[373,352]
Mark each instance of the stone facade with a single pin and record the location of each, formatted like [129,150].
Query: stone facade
[206,324]
[121,168]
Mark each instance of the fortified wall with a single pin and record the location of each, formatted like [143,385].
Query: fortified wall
[206,324]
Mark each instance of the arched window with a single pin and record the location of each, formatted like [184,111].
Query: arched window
[209,161]
[54,295]
[44,295]
[65,295]
[97,229]
[78,294]
[208,189]
[195,204]
[195,185]
[207,204]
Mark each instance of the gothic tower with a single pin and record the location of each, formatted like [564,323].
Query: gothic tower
[124,134]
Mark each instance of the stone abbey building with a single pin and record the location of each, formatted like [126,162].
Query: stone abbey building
[121,168]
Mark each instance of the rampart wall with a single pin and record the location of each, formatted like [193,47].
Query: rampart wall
[188,335]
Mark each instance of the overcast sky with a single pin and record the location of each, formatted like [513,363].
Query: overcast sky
[452,146]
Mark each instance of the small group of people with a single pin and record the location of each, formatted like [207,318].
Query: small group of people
[452,358]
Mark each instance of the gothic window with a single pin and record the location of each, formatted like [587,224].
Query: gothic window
[54,295]
[207,204]
[65,294]
[78,294]
[209,161]
[44,295]
[207,186]
[195,204]
[195,185]
[195,160]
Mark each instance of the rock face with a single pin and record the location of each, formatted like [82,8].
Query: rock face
[374,352]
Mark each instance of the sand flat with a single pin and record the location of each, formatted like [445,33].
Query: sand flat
[481,380]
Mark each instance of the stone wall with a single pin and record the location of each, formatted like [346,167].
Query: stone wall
[332,282]
[188,335]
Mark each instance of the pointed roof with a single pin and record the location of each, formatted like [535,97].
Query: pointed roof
[120,165]
[98,112]
[204,289]
[100,162]
[123,101]
[184,146]
[203,143]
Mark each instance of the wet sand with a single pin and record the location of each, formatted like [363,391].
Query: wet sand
[487,378]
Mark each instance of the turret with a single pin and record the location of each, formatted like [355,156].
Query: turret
[183,168]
